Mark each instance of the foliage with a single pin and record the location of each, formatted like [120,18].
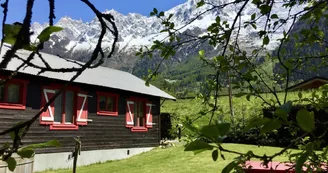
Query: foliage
[184,110]
[250,79]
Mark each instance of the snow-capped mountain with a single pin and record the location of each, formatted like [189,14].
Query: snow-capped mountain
[78,38]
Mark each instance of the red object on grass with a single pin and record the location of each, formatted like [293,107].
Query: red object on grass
[273,167]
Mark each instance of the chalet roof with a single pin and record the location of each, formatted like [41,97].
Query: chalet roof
[100,76]
[314,82]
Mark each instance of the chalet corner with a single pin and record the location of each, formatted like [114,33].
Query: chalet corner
[113,112]
[312,83]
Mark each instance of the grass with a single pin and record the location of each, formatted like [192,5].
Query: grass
[172,159]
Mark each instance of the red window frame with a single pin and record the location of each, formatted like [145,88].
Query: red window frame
[103,112]
[22,95]
[144,127]
[63,126]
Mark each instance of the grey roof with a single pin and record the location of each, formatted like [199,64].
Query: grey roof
[100,76]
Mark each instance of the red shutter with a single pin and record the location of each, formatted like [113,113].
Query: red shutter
[149,115]
[129,114]
[47,117]
[82,109]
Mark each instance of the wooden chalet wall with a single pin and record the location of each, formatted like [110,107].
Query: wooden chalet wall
[104,132]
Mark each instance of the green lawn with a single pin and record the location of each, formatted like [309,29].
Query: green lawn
[172,160]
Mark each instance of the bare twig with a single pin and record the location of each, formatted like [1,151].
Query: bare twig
[4,19]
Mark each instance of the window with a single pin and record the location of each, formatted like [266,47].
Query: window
[64,107]
[67,111]
[139,115]
[13,94]
[107,104]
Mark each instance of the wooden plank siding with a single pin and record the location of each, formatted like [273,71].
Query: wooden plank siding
[104,132]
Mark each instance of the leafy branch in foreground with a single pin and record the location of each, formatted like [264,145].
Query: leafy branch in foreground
[241,63]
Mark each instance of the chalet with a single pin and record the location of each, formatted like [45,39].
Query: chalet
[311,83]
[113,112]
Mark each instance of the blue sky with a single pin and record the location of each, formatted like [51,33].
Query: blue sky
[78,10]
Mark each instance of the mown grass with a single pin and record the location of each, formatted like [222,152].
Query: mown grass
[173,159]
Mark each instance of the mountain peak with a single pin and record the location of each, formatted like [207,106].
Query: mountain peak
[78,39]
[112,12]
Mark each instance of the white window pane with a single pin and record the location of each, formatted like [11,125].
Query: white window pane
[58,109]
[13,93]
[69,107]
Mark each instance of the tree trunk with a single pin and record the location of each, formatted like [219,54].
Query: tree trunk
[232,113]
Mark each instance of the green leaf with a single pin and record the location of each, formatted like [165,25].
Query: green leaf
[170,16]
[152,14]
[305,120]
[223,128]
[201,53]
[256,2]
[218,19]
[12,136]
[222,156]
[155,10]
[229,167]
[52,143]
[25,152]
[11,32]
[215,155]
[231,48]
[300,95]
[253,25]
[281,113]
[45,34]
[266,40]
[198,146]
[270,126]
[287,107]
[11,164]
[257,122]
[161,14]
[211,132]
[200,3]
[274,16]
[284,110]
[215,130]
[9,40]
[171,25]
[248,97]
[253,16]
[191,127]
[265,9]
[300,162]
